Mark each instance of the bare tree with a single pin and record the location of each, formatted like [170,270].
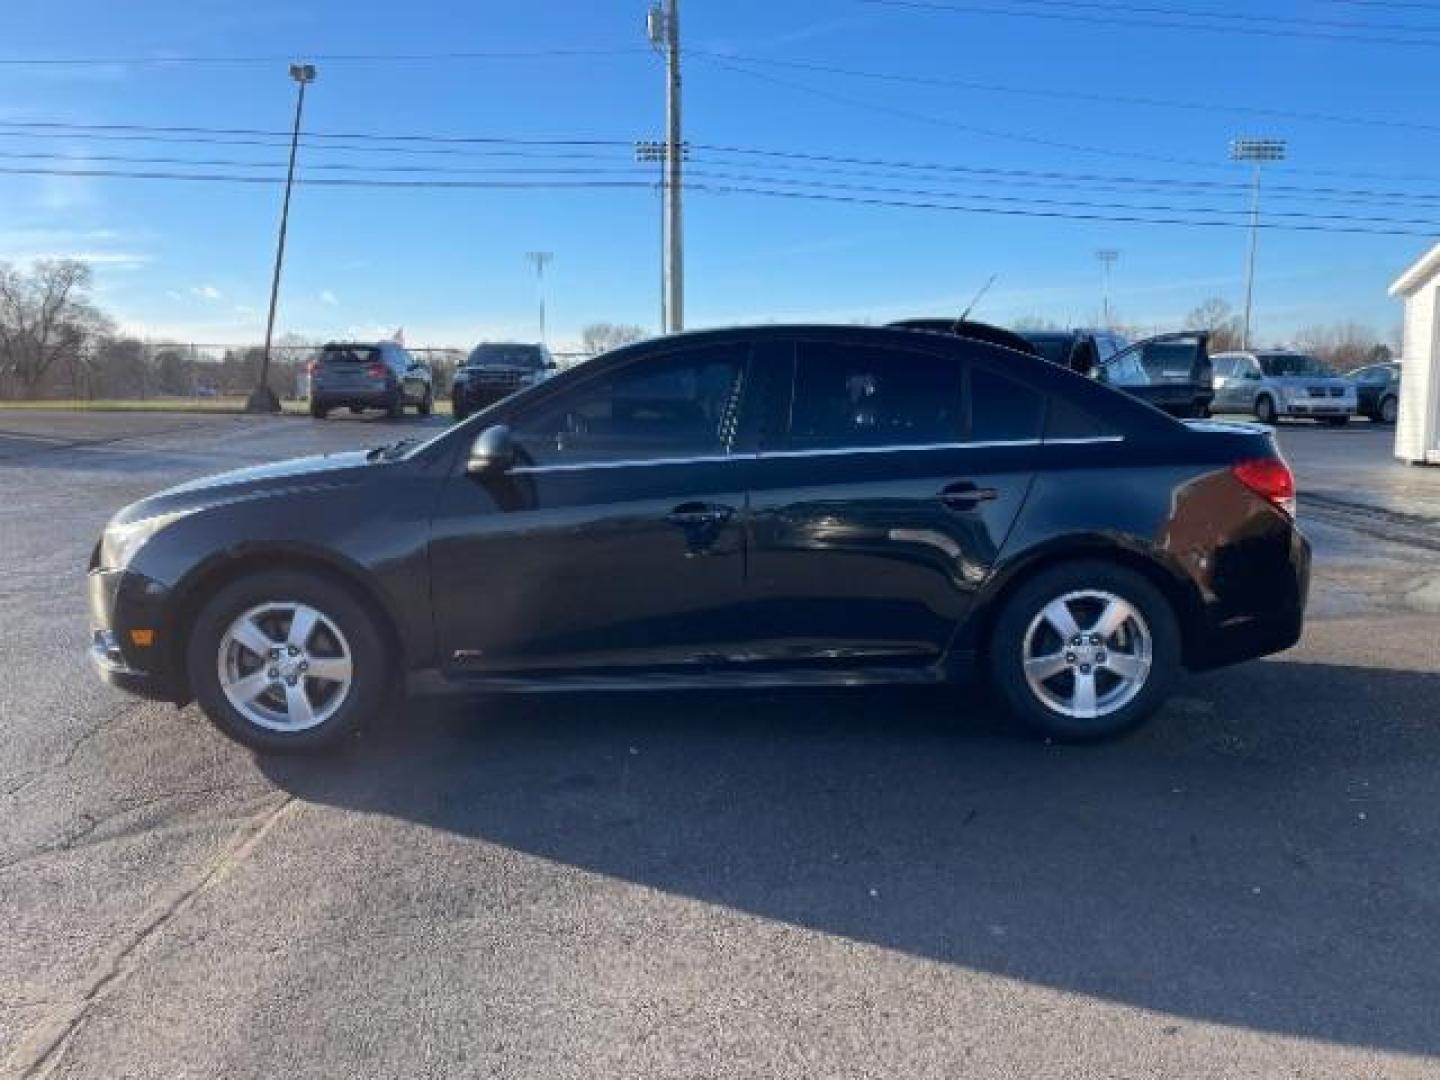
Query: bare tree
[1343,346]
[45,317]
[1216,316]
[1034,322]
[603,336]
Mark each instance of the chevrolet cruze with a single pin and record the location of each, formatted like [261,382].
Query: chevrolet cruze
[810,505]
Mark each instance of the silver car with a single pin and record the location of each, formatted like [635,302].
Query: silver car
[1276,384]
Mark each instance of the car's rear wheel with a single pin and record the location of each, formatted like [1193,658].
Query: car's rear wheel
[396,408]
[1389,410]
[1265,409]
[1085,651]
[427,404]
[287,661]
[318,411]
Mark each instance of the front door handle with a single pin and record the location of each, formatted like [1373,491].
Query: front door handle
[699,513]
[966,495]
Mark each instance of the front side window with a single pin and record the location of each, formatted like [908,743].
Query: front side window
[853,396]
[680,405]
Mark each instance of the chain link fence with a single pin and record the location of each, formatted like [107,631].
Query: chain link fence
[126,369]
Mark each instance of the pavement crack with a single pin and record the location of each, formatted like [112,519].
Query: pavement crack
[37,1056]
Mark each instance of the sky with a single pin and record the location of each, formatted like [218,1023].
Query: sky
[1042,110]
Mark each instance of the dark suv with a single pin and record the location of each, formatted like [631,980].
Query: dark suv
[800,505]
[379,375]
[495,371]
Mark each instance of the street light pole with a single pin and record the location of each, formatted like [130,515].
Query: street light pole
[262,398]
[1254,151]
[540,259]
[1107,257]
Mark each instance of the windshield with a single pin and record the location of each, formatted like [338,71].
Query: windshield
[524,356]
[1278,365]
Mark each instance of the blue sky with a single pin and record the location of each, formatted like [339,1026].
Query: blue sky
[192,259]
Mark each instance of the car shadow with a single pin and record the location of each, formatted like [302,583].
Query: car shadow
[1263,855]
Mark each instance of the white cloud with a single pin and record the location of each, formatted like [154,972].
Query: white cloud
[205,292]
[329,298]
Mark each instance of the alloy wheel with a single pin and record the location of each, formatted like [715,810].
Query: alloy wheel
[1087,654]
[285,666]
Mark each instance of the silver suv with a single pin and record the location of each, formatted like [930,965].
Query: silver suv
[1276,384]
[366,375]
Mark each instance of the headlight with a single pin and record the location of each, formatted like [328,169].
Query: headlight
[121,542]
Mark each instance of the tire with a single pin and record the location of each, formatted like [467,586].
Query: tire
[356,410]
[1389,410]
[396,408]
[427,404]
[270,721]
[1336,421]
[1086,588]
[318,411]
[457,409]
[1265,409]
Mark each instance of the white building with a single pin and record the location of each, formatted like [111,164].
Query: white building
[1417,430]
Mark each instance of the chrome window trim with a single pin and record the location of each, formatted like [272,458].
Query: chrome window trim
[703,459]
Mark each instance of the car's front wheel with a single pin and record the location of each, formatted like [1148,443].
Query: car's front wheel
[427,403]
[287,661]
[1085,651]
[1265,409]
[1389,410]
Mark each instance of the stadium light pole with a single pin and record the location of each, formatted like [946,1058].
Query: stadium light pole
[1107,257]
[262,398]
[540,259]
[1256,152]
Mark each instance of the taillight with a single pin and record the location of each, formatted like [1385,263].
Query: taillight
[377,371]
[1271,479]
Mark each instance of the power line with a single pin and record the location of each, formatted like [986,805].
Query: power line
[948,122]
[1071,94]
[757,186]
[1113,20]
[328,58]
[1199,13]
[598,150]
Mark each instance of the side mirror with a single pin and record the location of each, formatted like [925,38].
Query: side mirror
[492,453]
[552,365]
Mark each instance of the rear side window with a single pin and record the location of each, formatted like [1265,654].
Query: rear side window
[861,395]
[1003,410]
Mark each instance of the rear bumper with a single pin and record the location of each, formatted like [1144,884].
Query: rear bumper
[1261,610]
[365,397]
[122,602]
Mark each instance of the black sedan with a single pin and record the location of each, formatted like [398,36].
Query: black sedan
[806,505]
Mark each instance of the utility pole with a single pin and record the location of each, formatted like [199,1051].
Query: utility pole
[1107,257]
[1255,151]
[652,150]
[262,398]
[541,259]
[663,26]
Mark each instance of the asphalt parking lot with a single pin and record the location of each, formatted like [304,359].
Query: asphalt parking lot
[781,884]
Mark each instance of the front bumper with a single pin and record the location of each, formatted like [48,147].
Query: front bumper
[1317,407]
[121,603]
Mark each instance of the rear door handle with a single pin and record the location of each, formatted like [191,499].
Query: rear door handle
[700,513]
[965,495]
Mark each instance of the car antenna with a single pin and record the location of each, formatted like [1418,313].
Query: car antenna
[955,327]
